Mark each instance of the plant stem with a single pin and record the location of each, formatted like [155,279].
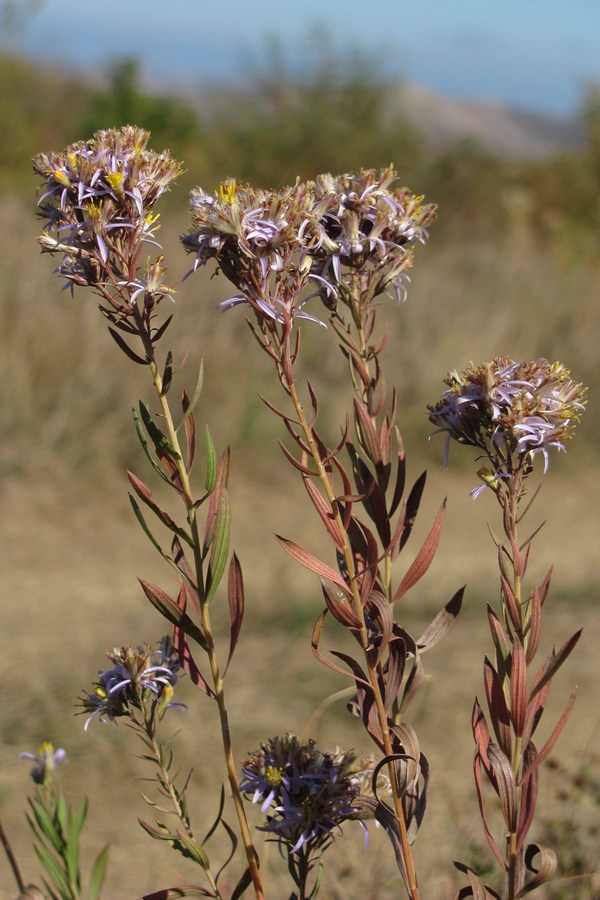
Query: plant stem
[11,859]
[364,640]
[217,678]
[166,782]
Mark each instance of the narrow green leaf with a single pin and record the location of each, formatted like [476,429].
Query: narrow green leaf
[155,434]
[219,550]
[98,874]
[46,825]
[197,392]
[142,439]
[54,871]
[211,463]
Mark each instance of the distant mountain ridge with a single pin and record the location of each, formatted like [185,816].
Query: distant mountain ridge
[444,122]
[499,129]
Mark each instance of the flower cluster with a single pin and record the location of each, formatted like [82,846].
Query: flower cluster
[98,197]
[45,762]
[367,226]
[272,244]
[511,410]
[305,792]
[259,239]
[139,676]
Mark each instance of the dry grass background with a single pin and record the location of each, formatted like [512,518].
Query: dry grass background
[71,551]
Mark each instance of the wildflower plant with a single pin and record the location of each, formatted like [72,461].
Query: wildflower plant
[306,795]
[98,203]
[56,828]
[343,244]
[512,412]
[328,254]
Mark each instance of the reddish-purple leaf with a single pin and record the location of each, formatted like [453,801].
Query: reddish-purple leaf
[325,512]
[315,640]
[190,434]
[547,748]
[553,663]
[379,610]
[510,602]
[145,494]
[188,663]
[412,503]
[505,785]
[314,406]
[278,412]
[477,771]
[499,635]
[394,673]
[529,791]
[126,348]
[235,586]
[413,682]
[545,585]
[367,433]
[171,611]
[499,713]
[533,630]
[296,463]
[400,474]
[340,609]
[518,687]
[311,562]
[424,557]
[535,709]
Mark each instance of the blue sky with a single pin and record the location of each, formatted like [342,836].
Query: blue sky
[534,54]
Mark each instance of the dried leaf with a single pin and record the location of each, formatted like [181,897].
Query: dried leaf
[477,888]
[546,867]
[436,630]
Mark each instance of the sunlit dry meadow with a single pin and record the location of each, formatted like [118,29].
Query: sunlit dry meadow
[72,551]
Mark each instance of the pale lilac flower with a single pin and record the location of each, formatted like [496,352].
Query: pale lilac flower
[45,762]
[139,676]
[306,794]
[511,411]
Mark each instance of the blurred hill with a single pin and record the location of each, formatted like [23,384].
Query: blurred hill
[445,122]
[499,129]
